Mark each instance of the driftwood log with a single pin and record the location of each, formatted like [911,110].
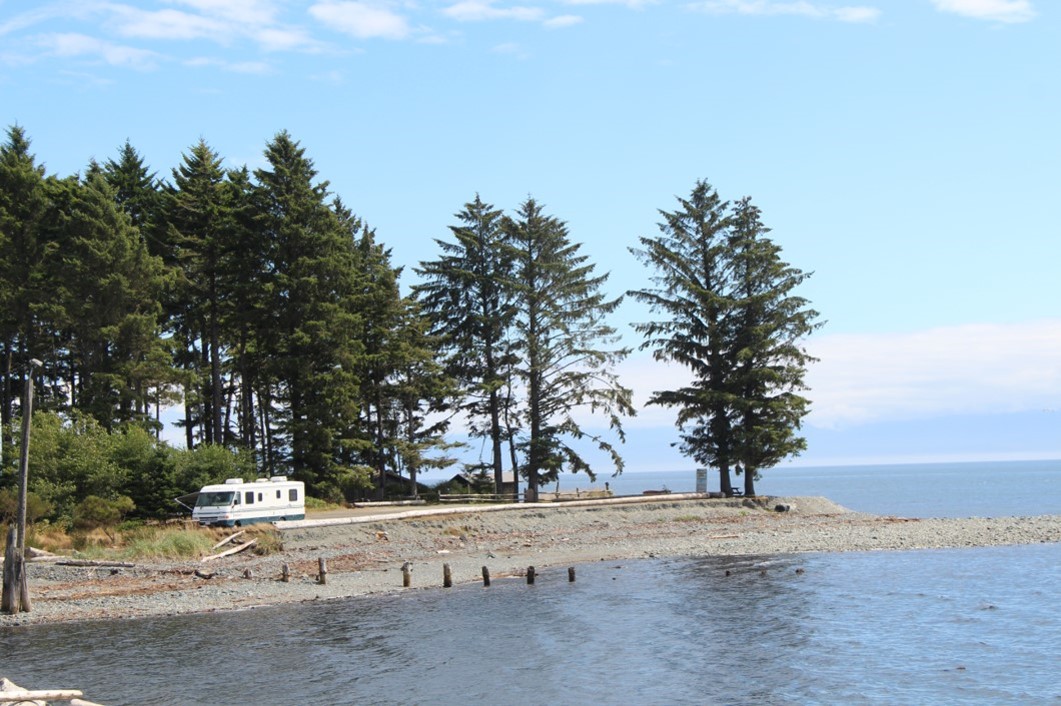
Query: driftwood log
[90,562]
[233,550]
[10,692]
[228,539]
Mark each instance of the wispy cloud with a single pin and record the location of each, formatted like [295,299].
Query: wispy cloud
[995,10]
[247,12]
[482,10]
[867,378]
[240,67]
[800,8]
[510,49]
[216,22]
[562,21]
[133,22]
[956,370]
[70,44]
[633,4]
[361,19]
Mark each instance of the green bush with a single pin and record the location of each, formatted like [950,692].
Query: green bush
[95,512]
[36,506]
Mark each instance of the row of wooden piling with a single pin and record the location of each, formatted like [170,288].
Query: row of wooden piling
[407,574]
[447,575]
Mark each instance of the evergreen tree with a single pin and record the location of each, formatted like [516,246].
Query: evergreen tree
[23,284]
[467,293]
[307,333]
[422,391]
[729,316]
[198,229]
[137,192]
[561,329]
[109,286]
[29,298]
[382,356]
[244,271]
[771,323]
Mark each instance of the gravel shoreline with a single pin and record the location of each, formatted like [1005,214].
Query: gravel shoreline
[367,558]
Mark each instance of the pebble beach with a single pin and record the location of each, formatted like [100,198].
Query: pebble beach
[366,555]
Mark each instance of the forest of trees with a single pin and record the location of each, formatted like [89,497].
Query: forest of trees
[267,312]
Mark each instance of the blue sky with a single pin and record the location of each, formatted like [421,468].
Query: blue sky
[906,152]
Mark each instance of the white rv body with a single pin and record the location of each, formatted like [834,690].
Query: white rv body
[235,502]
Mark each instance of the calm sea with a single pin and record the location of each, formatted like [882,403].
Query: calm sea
[970,626]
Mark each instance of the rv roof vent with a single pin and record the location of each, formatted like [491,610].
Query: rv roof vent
[279,479]
[233,481]
[261,480]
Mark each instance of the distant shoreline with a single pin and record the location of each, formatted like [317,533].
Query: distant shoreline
[367,558]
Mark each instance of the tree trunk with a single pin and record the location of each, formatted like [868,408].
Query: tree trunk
[6,436]
[495,440]
[723,480]
[215,381]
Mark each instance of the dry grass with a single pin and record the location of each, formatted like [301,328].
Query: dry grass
[150,541]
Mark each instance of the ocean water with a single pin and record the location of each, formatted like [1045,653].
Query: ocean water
[987,489]
[969,626]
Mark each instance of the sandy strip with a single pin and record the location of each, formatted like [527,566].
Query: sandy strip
[366,557]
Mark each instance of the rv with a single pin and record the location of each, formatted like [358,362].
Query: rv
[234,502]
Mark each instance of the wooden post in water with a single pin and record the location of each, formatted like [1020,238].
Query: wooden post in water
[322,565]
[285,573]
[571,574]
[407,575]
[530,575]
[486,577]
[447,577]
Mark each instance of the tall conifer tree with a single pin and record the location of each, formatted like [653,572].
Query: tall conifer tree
[23,284]
[564,342]
[199,233]
[308,332]
[729,315]
[468,295]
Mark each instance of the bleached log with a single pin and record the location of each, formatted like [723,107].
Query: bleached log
[233,550]
[227,539]
[38,695]
[10,692]
[93,562]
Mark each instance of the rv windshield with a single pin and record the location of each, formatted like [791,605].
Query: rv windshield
[214,499]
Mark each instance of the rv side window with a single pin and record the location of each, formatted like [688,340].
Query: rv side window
[249,497]
[278,495]
[292,495]
[259,497]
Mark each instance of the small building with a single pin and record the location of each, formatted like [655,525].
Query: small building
[484,483]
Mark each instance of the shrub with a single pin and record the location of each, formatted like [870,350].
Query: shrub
[95,512]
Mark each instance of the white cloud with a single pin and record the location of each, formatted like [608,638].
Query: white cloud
[362,20]
[282,39]
[481,10]
[868,378]
[800,8]
[562,21]
[242,67]
[245,12]
[996,10]
[218,22]
[80,45]
[510,48]
[632,4]
[986,368]
[165,24]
